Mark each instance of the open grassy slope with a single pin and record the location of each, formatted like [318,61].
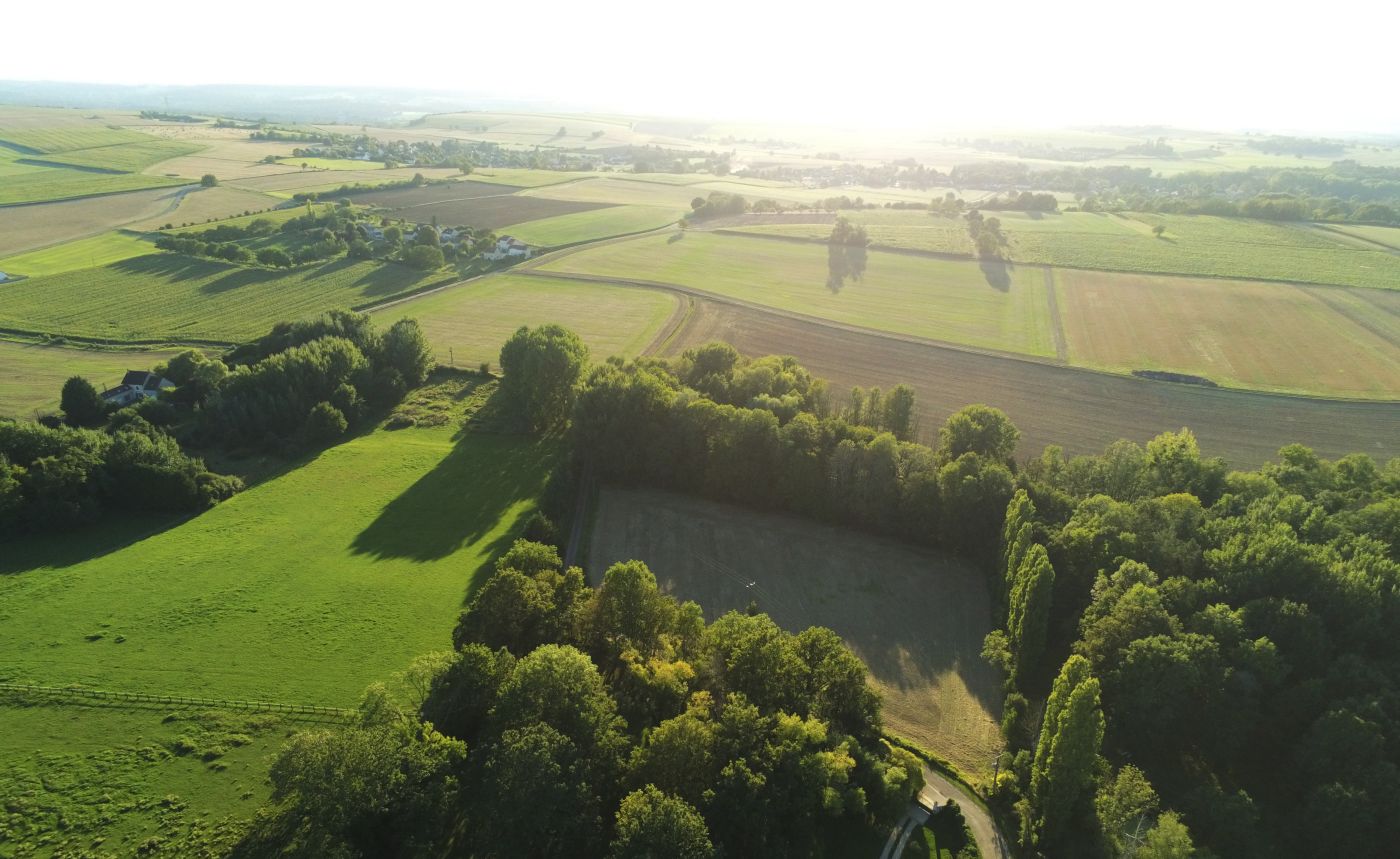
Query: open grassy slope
[306,588]
[592,225]
[173,298]
[471,321]
[96,250]
[990,306]
[1268,336]
[917,618]
[130,157]
[34,374]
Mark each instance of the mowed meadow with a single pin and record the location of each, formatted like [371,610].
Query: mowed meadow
[468,323]
[34,374]
[173,298]
[915,617]
[991,306]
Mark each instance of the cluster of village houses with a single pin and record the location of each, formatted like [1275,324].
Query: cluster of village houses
[507,247]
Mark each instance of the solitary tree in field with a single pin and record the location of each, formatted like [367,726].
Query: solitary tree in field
[1158,230]
[82,407]
[542,368]
[208,180]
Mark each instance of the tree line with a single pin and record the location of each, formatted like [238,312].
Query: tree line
[609,721]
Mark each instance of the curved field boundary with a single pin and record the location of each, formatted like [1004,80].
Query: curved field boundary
[74,694]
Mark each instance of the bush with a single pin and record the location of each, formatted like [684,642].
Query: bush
[424,257]
[82,405]
[325,424]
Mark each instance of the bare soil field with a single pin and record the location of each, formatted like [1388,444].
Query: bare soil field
[916,617]
[1080,410]
[476,204]
[295,181]
[1243,333]
[39,225]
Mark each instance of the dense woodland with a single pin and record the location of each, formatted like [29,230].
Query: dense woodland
[1191,652]
[608,721]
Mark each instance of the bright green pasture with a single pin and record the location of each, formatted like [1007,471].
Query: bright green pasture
[29,183]
[985,305]
[1197,245]
[66,138]
[126,157]
[474,319]
[170,297]
[305,588]
[84,253]
[332,163]
[589,226]
[34,374]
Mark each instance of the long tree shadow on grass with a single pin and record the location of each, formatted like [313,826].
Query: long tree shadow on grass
[461,500]
[997,271]
[171,267]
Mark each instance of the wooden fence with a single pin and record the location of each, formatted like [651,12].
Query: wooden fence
[79,693]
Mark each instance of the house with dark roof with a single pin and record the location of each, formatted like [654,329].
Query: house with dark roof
[136,385]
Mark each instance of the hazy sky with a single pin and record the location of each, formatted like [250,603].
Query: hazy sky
[924,63]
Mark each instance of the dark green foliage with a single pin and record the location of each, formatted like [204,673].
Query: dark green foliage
[542,368]
[60,478]
[405,348]
[81,404]
[325,424]
[424,257]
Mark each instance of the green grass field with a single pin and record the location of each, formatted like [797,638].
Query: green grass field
[126,157]
[66,138]
[332,163]
[995,307]
[525,178]
[83,253]
[590,226]
[173,298]
[34,374]
[1388,236]
[29,184]
[391,531]
[621,192]
[1195,245]
[917,618]
[1316,340]
[473,320]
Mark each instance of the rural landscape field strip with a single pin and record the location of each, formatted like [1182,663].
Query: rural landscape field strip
[916,618]
[1081,411]
[101,249]
[468,322]
[41,225]
[1315,340]
[377,521]
[992,307]
[176,299]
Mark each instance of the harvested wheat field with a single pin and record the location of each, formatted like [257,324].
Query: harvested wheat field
[916,617]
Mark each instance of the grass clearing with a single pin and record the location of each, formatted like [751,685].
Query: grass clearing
[84,253]
[38,184]
[202,205]
[172,298]
[1258,335]
[67,138]
[34,374]
[1388,236]
[474,319]
[986,305]
[125,157]
[393,529]
[917,618]
[591,225]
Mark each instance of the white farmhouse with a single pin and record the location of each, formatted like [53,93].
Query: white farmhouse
[508,247]
[136,385]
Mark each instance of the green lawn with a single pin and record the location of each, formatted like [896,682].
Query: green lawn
[84,253]
[1195,245]
[473,320]
[34,374]
[66,138]
[332,163]
[990,306]
[1388,236]
[589,226]
[390,531]
[24,183]
[126,157]
[174,298]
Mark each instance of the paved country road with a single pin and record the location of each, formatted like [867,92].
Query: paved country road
[938,789]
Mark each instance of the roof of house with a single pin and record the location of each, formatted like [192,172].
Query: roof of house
[141,379]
